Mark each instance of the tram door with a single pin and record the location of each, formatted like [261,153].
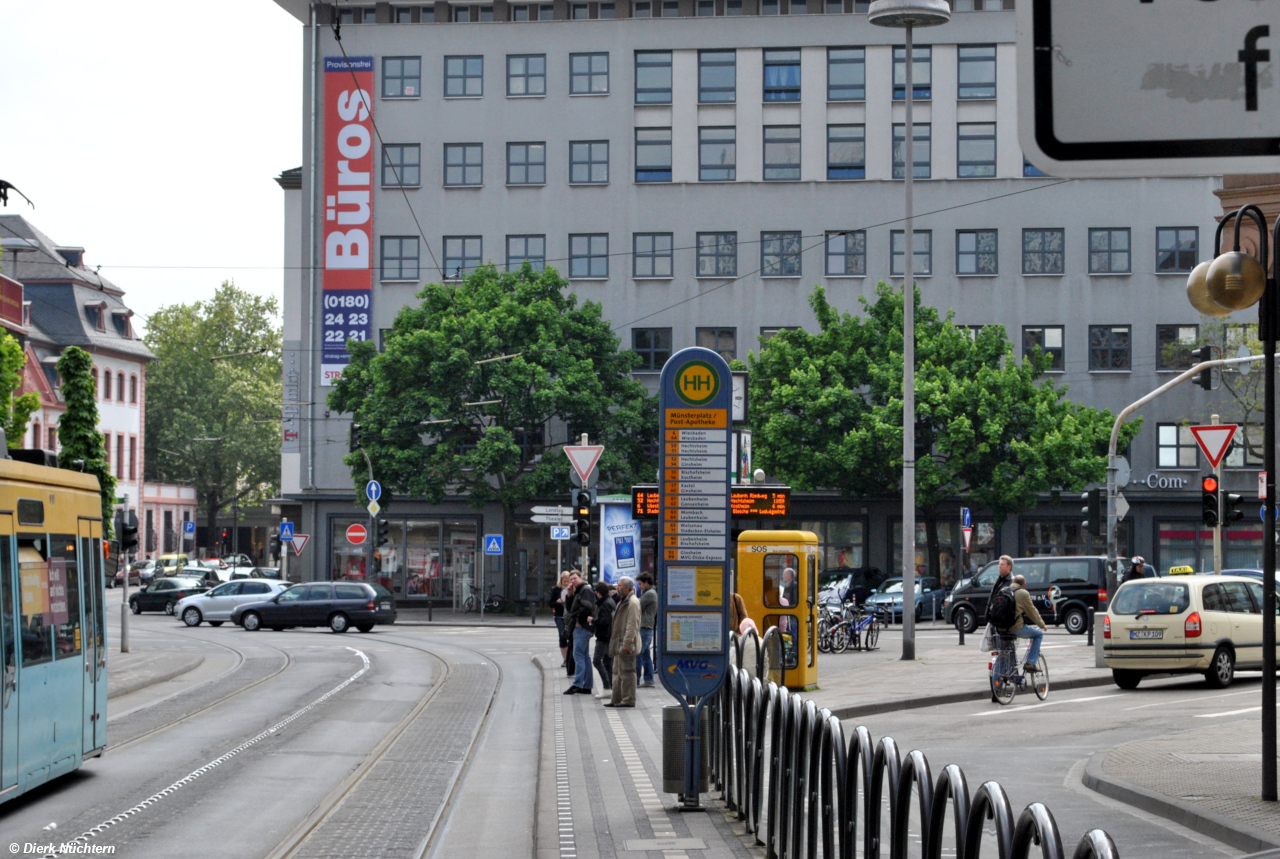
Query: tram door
[8,658]
[95,637]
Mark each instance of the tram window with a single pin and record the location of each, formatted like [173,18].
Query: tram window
[30,511]
[65,606]
[33,574]
[8,648]
[789,626]
[780,588]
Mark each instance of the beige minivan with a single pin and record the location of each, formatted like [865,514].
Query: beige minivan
[1183,624]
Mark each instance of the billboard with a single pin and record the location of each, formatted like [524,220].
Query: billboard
[619,542]
[347,268]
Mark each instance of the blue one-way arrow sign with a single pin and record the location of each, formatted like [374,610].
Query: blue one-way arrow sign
[373,489]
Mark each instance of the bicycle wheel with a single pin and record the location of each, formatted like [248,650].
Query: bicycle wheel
[469,604]
[1040,681]
[840,638]
[1003,687]
[872,636]
[824,636]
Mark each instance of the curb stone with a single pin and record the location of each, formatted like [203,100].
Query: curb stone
[923,701]
[181,666]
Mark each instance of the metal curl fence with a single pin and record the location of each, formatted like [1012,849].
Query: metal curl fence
[784,768]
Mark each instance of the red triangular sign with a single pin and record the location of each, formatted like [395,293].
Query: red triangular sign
[968,534]
[583,458]
[300,542]
[1214,440]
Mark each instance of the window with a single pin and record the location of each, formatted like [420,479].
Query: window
[923,253]
[921,151]
[921,72]
[717,76]
[526,163]
[53,440]
[588,74]
[36,437]
[401,77]
[579,12]
[1245,452]
[780,254]
[463,77]
[846,74]
[428,15]
[975,150]
[651,255]
[463,164]
[781,75]
[847,253]
[767,333]
[768,7]
[588,162]
[520,13]
[976,71]
[846,152]
[527,74]
[653,345]
[1049,340]
[1173,346]
[461,256]
[399,258]
[717,255]
[1177,249]
[133,457]
[801,7]
[653,77]
[120,456]
[706,8]
[607,10]
[717,154]
[589,255]
[526,249]
[106,384]
[653,154]
[1176,447]
[401,165]
[120,387]
[641,9]
[733,8]
[133,390]
[782,153]
[1109,347]
[1042,251]
[546,12]
[722,340]
[1109,251]
[976,252]
[670,8]
[106,446]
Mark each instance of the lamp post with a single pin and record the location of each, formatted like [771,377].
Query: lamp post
[1236,281]
[908,14]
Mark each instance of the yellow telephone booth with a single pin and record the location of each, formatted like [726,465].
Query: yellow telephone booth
[777,578]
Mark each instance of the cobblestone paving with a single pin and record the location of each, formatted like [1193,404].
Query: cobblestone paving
[390,812]
[1218,769]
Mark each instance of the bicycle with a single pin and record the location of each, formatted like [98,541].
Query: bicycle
[1008,673]
[828,619]
[492,601]
[865,626]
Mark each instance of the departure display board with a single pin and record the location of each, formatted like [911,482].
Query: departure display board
[746,502]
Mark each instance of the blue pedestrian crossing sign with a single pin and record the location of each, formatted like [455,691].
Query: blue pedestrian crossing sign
[286,531]
[373,489]
[189,527]
[493,544]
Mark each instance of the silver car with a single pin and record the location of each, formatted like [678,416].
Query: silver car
[216,605]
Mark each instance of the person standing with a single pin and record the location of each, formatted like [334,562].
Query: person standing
[648,622]
[790,590]
[557,602]
[625,644]
[601,625]
[581,608]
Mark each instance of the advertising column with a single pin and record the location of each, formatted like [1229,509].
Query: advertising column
[347,276]
[619,541]
[693,581]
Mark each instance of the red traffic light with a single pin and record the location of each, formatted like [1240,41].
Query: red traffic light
[1209,484]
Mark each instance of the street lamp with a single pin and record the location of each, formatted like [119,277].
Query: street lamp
[1236,281]
[907,15]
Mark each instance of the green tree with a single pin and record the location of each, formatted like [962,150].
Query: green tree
[1240,398]
[17,413]
[213,399]
[78,429]
[826,412]
[440,417]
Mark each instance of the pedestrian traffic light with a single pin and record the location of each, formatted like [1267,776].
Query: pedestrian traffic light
[582,517]
[1205,378]
[128,535]
[382,531]
[1209,501]
[1231,511]
[353,438]
[1092,511]
[274,549]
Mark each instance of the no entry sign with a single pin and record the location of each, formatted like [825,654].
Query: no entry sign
[356,533]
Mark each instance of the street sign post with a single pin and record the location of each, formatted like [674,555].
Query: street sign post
[553,511]
[694,407]
[1120,89]
[552,520]
[189,529]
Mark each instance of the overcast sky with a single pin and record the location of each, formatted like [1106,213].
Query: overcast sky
[149,132]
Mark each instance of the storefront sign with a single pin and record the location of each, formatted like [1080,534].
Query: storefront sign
[1160,481]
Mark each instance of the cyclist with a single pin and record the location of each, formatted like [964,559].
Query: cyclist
[1026,614]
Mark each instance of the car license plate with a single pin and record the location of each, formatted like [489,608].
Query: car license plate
[1135,634]
[386,606]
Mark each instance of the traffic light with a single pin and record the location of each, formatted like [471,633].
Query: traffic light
[382,531]
[128,534]
[1205,377]
[353,438]
[274,549]
[1092,510]
[1231,511]
[582,517]
[1209,501]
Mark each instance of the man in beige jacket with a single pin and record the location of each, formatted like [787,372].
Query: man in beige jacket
[624,645]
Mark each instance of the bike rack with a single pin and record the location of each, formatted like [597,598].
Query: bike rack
[769,742]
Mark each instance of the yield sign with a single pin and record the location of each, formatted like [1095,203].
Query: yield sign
[1214,440]
[968,535]
[300,542]
[583,458]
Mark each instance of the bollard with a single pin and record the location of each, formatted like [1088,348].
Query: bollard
[430,609]
[1090,641]
[960,626]
[934,600]
[533,612]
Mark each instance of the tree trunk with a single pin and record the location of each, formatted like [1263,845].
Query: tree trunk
[510,552]
[931,537]
[211,510]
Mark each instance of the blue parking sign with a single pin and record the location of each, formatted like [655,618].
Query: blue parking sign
[189,527]
[286,531]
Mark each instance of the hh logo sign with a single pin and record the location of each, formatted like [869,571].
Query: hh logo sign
[697,383]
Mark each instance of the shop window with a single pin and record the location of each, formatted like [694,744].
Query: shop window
[780,587]
[1188,543]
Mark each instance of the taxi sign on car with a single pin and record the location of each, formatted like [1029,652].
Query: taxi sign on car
[1184,570]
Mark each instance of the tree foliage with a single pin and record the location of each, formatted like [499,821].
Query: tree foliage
[1241,398]
[78,429]
[14,415]
[435,422]
[214,398]
[826,411]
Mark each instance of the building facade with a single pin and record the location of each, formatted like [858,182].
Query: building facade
[697,166]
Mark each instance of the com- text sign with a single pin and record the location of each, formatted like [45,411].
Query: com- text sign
[1149,87]
[694,403]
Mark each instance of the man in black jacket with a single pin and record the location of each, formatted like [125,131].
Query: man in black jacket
[602,625]
[581,608]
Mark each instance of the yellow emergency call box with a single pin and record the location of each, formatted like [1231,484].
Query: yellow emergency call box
[778,581]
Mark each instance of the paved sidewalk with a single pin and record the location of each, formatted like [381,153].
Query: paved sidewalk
[1206,779]
[138,669]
